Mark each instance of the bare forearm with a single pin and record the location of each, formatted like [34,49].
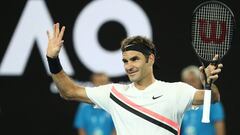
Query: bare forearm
[81,132]
[215,93]
[114,132]
[199,96]
[68,89]
[220,128]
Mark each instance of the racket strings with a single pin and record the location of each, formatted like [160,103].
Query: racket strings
[212,30]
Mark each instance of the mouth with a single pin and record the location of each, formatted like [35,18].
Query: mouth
[131,73]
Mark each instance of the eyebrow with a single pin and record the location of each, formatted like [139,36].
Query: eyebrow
[132,58]
[124,60]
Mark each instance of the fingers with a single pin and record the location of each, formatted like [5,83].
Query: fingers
[54,30]
[201,68]
[220,65]
[57,34]
[216,57]
[50,35]
[57,29]
[61,43]
[217,71]
[212,72]
[213,77]
[61,33]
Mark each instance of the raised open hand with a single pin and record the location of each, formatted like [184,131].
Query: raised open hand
[55,41]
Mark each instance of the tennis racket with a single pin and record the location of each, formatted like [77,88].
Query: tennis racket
[213,26]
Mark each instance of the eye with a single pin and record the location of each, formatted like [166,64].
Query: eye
[135,58]
[124,61]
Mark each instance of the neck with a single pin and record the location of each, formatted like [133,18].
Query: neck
[142,84]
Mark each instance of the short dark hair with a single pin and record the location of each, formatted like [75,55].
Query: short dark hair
[137,40]
[141,41]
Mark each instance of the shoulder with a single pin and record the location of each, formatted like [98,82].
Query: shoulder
[113,85]
[106,87]
[179,88]
[173,85]
[120,86]
[184,86]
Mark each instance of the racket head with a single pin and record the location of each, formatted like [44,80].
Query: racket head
[213,27]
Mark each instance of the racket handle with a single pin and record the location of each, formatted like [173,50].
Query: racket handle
[206,106]
[207,86]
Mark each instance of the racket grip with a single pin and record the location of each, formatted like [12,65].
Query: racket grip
[207,86]
[206,106]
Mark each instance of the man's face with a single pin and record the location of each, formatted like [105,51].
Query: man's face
[136,65]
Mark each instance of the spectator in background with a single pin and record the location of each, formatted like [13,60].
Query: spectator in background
[94,121]
[191,124]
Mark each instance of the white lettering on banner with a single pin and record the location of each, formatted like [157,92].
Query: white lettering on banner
[36,19]
[86,44]
[32,26]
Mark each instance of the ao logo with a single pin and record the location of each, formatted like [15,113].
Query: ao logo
[36,19]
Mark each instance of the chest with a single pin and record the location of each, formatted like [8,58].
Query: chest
[152,105]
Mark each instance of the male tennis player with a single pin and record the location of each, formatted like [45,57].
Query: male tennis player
[146,106]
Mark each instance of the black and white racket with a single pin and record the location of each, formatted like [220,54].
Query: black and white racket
[212,33]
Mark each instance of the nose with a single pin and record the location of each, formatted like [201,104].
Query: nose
[128,66]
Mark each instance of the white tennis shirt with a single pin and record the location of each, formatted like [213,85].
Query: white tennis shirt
[156,110]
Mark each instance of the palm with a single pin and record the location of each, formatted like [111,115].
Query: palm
[55,41]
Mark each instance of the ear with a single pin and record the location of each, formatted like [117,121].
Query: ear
[151,58]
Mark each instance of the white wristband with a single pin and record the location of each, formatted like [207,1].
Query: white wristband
[206,106]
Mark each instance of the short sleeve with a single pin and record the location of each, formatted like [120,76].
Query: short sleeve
[185,96]
[79,116]
[100,96]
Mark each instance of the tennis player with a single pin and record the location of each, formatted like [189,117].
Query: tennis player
[146,106]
